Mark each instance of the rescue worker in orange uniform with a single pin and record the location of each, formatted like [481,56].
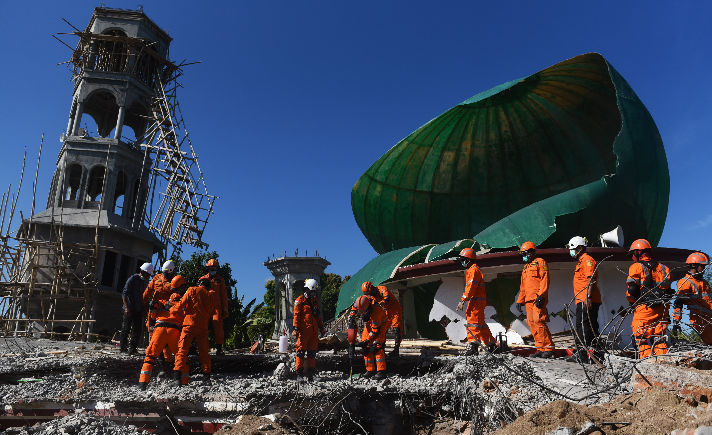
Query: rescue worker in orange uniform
[159,289]
[475,295]
[694,291]
[394,311]
[166,331]
[649,290]
[373,337]
[534,293]
[217,285]
[198,306]
[587,298]
[307,327]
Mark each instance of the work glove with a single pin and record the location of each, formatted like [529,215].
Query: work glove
[539,302]
[520,307]
[460,306]
[375,347]
[295,333]
[365,347]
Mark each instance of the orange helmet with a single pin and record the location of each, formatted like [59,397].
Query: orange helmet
[177,282]
[468,253]
[640,245]
[212,264]
[526,246]
[363,303]
[366,287]
[698,258]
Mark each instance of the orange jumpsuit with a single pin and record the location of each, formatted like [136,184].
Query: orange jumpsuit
[696,294]
[374,332]
[159,289]
[217,285]
[198,306]
[476,297]
[535,282]
[308,324]
[585,272]
[649,321]
[393,308]
[166,333]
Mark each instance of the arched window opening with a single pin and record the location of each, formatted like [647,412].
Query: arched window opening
[101,106]
[112,53]
[134,200]
[119,194]
[136,118]
[95,186]
[73,179]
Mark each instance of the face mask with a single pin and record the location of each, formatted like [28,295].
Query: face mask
[212,272]
[168,275]
[525,258]
[572,253]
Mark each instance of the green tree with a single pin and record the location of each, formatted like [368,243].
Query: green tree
[262,320]
[330,285]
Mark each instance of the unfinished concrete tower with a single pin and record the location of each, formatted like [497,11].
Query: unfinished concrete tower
[100,187]
[289,276]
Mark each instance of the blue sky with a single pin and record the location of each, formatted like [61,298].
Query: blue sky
[293,101]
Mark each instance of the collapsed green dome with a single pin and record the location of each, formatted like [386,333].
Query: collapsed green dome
[570,150]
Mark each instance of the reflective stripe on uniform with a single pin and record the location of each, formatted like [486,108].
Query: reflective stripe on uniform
[146,372]
[476,325]
[380,360]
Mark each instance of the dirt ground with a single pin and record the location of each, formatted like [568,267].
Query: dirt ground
[251,424]
[656,411]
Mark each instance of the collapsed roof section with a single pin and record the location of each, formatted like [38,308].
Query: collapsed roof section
[570,149]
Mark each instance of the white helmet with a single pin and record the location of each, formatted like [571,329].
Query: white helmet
[148,268]
[311,284]
[577,241]
[169,266]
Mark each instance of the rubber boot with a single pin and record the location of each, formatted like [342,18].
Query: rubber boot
[300,374]
[536,354]
[547,354]
[219,351]
[142,386]
[177,376]
[368,374]
[309,374]
[473,348]
[379,375]
[206,377]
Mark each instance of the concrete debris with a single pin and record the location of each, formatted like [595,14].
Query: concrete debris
[78,424]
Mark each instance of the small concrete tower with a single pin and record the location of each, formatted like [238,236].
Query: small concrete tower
[100,186]
[289,276]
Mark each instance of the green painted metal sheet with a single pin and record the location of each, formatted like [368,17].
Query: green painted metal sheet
[447,250]
[378,270]
[568,150]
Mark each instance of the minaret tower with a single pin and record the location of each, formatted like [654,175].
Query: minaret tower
[101,182]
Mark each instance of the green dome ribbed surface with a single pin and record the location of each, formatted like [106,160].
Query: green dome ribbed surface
[568,150]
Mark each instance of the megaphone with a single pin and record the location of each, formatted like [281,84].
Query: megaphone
[612,238]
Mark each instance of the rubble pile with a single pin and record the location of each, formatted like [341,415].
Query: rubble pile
[78,424]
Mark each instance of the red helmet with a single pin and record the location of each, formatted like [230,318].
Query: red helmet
[640,245]
[366,287]
[526,246]
[363,303]
[177,282]
[698,258]
[212,264]
[468,253]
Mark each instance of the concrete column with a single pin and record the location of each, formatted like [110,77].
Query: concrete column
[59,192]
[78,118]
[70,122]
[120,122]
